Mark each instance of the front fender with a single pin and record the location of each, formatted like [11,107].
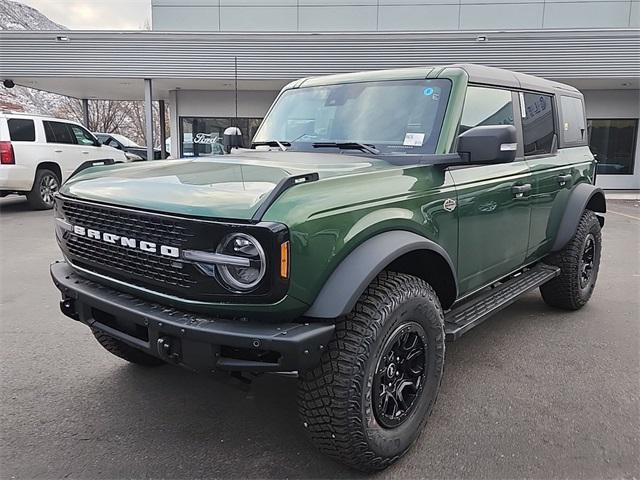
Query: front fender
[351,277]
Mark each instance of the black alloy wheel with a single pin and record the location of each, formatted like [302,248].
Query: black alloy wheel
[400,375]
[587,261]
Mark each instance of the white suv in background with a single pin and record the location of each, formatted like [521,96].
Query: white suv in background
[38,153]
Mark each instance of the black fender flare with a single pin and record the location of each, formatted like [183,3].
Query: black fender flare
[355,272]
[583,196]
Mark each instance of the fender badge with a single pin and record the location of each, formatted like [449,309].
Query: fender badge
[449,204]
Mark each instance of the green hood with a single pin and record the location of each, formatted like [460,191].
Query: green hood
[231,187]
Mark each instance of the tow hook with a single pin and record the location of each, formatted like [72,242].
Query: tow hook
[68,307]
[166,350]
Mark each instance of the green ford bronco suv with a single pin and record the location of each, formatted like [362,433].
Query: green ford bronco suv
[376,215]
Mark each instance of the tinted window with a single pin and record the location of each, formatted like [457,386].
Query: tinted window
[614,143]
[82,136]
[537,123]
[204,136]
[112,142]
[58,132]
[486,106]
[573,127]
[21,130]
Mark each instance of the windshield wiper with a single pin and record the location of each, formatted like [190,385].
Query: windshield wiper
[282,145]
[348,146]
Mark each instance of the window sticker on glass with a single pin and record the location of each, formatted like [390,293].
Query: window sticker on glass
[413,139]
[432,92]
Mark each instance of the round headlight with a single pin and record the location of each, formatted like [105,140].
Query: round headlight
[245,277]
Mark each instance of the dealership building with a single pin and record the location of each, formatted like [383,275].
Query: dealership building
[187,62]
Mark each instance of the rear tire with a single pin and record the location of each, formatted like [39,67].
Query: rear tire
[368,400]
[126,352]
[579,262]
[45,185]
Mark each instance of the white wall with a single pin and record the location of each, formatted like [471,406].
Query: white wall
[616,104]
[396,15]
[221,103]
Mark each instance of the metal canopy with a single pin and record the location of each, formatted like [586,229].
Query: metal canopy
[108,64]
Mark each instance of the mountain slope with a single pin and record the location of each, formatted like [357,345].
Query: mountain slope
[17,16]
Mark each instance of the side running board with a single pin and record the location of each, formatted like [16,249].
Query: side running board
[464,317]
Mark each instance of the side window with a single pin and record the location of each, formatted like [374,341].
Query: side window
[112,142]
[58,132]
[486,106]
[572,125]
[82,136]
[21,130]
[537,123]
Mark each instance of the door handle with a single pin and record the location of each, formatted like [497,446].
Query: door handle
[58,151]
[86,153]
[520,190]
[563,179]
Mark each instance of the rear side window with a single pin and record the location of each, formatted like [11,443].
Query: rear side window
[486,106]
[538,128]
[58,132]
[21,130]
[572,124]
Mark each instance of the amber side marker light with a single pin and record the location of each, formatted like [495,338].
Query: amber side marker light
[284,259]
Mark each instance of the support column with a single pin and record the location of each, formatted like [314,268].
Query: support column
[174,127]
[85,113]
[163,131]
[148,116]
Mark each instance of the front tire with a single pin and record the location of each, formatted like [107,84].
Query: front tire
[368,400]
[45,185]
[579,263]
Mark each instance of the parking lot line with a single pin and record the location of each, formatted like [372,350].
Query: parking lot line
[624,215]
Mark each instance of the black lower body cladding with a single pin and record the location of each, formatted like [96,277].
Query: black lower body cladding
[191,340]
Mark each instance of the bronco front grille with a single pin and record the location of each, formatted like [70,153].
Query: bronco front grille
[122,262]
[127,223]
[153,271]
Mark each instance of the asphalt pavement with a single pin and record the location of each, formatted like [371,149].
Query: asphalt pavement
[532,393]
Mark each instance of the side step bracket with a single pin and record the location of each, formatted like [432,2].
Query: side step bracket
[464,317]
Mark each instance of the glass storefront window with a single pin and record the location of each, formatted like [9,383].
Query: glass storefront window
[202,137]
[613,142]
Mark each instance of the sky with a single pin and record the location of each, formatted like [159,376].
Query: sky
[95,14]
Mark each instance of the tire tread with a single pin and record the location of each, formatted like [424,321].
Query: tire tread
[327,395]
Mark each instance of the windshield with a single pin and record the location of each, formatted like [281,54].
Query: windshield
[395,117]
[127,142]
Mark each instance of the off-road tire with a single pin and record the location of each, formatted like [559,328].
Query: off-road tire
[335,398]
[37,200]
[565,291]
[124,351]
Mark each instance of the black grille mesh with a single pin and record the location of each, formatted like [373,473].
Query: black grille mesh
[129,224]
[106,258]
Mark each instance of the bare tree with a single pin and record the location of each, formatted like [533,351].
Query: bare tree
[104,115]
[109,116]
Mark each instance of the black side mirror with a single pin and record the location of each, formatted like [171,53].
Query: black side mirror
[489,144]
[232,138]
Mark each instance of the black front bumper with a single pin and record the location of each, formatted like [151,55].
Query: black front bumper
[188,339]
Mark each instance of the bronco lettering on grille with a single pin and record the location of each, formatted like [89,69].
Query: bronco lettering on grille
[145,246]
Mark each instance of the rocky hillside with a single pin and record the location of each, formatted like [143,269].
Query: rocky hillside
[16,16]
